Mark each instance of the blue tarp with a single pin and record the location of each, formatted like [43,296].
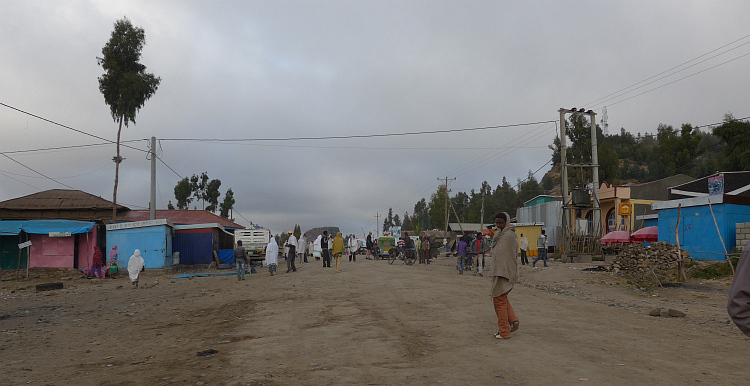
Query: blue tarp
[10,228]
[187,275]
[226,256]
[43,227]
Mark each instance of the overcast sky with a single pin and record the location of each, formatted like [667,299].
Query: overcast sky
[288,69]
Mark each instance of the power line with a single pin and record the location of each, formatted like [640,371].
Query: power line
[49,178]
[353,136]
[16,179]
[620,91]
[68,127]
[675,81]
[69,147]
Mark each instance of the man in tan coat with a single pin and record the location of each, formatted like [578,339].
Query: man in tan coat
[503,271]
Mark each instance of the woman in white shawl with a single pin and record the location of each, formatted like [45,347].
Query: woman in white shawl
[272,255]
[301,248]
[317,247]
[353,246]
[503,271]
[135,265]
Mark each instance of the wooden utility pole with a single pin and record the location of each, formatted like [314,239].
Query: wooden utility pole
[377,224]
[446,199]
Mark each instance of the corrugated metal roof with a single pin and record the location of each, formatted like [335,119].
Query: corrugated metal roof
[183,217]
[58,199]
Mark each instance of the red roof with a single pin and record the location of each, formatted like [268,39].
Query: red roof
[182,217]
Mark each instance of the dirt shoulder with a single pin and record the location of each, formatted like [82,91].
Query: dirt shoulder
[373,323]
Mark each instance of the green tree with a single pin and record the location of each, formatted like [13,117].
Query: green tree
[608,163]
[396,220]
[212,195]
[182,193]
[125,84]
[297,231]
[421,215]
[406,223]
[677,151]
[226,206]
[736,135]
[437,208]
[198,186]
[388,221]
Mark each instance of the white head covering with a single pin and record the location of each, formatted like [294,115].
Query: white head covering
[301,244]
[272,252]
[317,246]
[135,265]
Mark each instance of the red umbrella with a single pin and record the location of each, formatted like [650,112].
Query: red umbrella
[648,234]
[616,237]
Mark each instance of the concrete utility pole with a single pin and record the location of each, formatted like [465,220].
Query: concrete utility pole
[596,215]
[446,199]
[152,202]
[377,224]
[564,177]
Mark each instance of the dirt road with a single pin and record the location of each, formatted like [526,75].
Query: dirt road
[373,323]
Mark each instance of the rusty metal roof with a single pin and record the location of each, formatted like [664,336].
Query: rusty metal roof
[182,217]
[59,199]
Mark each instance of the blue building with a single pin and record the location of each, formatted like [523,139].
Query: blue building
[708,210]
[152,237]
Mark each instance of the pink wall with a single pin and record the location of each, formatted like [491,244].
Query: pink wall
[58,252]
[86,249]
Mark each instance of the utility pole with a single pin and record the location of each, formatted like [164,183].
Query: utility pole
[446,199]
[152,202]
[377,224]
[481,216]
[596,215]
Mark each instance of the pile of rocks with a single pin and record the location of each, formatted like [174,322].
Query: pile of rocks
[655,264]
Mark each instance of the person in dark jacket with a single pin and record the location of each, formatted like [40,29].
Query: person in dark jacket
[240,260]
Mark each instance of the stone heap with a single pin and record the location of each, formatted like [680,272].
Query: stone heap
[637,262]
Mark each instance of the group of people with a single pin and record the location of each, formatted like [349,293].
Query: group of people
[471,251]
[541,246]
[324,247]
[100,269]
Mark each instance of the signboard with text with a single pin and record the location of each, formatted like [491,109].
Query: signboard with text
[625,209]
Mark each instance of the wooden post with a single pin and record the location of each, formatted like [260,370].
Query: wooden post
[28,258]
[18,266]
[680,273]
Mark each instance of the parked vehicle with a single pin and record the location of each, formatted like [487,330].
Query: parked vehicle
[385,243]
[254,241]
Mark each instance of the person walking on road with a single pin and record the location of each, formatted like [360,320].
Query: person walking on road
[301,248]
[426,250]
[325,251]
[503,271]
[135,266]
[368,244]
[523,243]
[478,248]
[353,246]
[291,243]
[338,250]
[461,260]
[272,255]
[240,260]
[318,248]
[541,246]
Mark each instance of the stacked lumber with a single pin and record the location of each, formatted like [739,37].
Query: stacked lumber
[655,264]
